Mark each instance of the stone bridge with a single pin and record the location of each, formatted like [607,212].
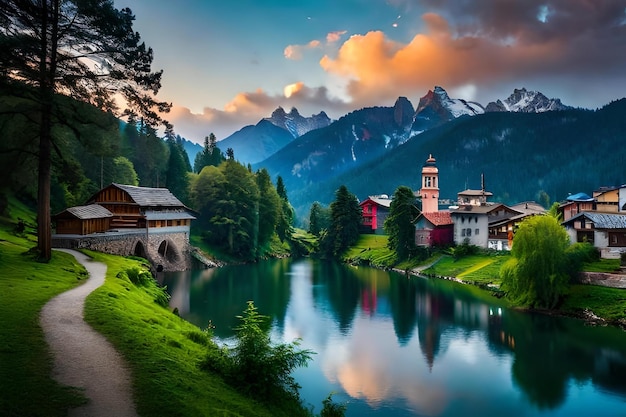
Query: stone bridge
[165,250]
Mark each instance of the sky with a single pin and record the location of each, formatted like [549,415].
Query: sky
[229,63]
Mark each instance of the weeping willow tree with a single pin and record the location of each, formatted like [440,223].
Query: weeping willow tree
[537,273]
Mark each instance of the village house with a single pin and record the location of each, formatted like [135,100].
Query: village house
[599,220]
[375,210]
[129,220]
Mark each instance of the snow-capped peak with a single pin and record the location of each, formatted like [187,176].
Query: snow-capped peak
[526,101]
[295,123]
[456,107]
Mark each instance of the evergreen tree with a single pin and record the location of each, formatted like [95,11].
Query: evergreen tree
[183,151]
[319,218]
[346,219]
[269,207]
[399,225]
[284,227]
[210,155]
[176,179]
[124,172]
[39,44]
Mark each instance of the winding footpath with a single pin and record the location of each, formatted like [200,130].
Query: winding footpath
[83,358]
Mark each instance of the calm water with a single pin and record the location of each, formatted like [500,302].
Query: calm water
[390,345]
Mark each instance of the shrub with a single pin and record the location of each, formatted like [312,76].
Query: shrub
[255,366]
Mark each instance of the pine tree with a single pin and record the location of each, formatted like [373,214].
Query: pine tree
[39,44]
[346,219]
[399,224]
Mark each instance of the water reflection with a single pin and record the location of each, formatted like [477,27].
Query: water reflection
[399,346]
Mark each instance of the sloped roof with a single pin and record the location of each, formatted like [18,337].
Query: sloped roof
[529,207]
[602,220]
[381,201]
[150,197]
[579,197]
[91,211]
[169,215]
[439,218]
[475,193]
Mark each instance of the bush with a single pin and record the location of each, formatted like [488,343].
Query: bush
[578,254]
[332,409]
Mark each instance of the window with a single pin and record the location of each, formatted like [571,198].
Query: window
[476,232]
[469,231]
[463,232]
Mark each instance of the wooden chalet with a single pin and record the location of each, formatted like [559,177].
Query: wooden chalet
[83,220]
[123,207]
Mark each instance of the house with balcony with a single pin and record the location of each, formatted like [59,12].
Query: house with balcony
[375,210]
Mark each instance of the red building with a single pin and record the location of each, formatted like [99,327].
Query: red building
[375,210]
[434,229]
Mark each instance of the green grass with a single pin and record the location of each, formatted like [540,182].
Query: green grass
[163,351]
[608,303]
[371,250]
[602,265]
[483,269]
[26,386]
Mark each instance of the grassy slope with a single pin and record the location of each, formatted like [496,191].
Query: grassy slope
[162,350]
[157,344]
[26,388]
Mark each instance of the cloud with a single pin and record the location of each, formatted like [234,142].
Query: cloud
[483,44]
[249,108]
[333,37]
[294,52]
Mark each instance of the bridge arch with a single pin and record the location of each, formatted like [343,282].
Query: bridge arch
[140,250]
[168,250]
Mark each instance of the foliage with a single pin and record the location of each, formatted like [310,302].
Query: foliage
[211,155]
[124,171]
[537,273]
[270,208]
[284,227]
[399,224]
[346,219]
[464,249]
[331,408]
[176,178]
[578,254]
[257,367]
[319,218]
[163,351]
[240,211]
[39,48]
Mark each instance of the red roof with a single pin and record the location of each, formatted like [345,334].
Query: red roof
[439,218]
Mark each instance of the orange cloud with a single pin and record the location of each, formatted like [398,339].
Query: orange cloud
[379,68]
[333,37]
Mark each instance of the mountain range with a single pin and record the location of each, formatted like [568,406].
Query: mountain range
[528,146]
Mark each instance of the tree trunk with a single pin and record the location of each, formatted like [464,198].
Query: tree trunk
[47,72]
[44,224]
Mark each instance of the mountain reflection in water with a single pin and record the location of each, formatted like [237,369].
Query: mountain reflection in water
[392,345]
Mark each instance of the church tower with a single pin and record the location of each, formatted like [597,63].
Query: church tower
[430,186]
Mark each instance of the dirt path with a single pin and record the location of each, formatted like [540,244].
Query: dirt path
[83,358]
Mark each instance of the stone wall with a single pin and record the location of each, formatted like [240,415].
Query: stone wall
[603,279]
[174,256]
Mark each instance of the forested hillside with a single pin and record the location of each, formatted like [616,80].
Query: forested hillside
[523,156]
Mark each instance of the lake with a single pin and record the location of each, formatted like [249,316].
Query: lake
[391,345]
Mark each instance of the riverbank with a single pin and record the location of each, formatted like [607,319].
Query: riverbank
[162,350]
[596,305]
